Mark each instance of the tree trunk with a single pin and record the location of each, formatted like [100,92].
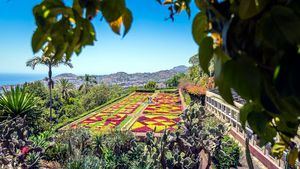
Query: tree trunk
[50,86]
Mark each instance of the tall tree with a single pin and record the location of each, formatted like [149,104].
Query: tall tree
[151,85]
[50,61]
[88,82]
[65,87]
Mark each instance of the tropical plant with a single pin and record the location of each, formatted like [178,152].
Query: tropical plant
[182,149]
[84,162]
[37,88]
[227,155]
[98,95]
[88,82]
[65,88]
[48,59]
[174,80]
[151,85]
[16,149]
[16,101]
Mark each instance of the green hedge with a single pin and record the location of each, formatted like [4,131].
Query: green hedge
[70,120]
[146,90]
[168,90]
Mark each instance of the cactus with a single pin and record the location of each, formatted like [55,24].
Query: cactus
[181,149]
[16,150]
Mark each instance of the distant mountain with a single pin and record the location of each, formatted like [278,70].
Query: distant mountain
[125,80]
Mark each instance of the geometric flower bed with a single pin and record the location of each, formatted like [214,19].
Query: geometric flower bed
[162,114]
[112,116]
[165,103]
[155,123]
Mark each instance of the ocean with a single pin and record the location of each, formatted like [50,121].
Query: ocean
[14,79]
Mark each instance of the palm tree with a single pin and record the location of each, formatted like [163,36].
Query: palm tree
[16,101]
[65,87]
[50,61]
[88,82]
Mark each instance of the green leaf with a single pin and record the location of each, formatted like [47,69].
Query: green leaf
[236,75]
[225,92]
[262,126]
[199,27]
[199,4]
[60,50]
[205,53]
[89,35]
[127,21]
[224,88]
[116,25]
[245,111]
[112,9]
[278,148]
[38,40]
[292,157]
[77,7]
[287,22]
[250,8]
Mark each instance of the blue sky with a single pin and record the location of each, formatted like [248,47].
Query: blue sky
[152,44]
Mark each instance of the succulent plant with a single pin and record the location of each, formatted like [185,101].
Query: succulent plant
[181,149]
[16,150]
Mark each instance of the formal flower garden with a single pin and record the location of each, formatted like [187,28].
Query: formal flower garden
[113,115]
[138,113]
[162,113]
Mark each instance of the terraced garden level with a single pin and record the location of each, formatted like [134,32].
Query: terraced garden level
[139,112]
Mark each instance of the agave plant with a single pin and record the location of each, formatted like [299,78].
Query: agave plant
[16,101]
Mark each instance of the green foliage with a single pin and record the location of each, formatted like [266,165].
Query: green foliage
[65,87]
[182,148]
[174,80]
[16,149]
[227,154]
[37,89]
[151,85]
[261,42]
[74,30]
[99,95]
[118,150]
[88,82]
[16,102]
[84,162]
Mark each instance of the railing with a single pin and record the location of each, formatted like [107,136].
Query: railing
[230,114]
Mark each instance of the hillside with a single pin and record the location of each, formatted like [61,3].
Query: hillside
[125,80]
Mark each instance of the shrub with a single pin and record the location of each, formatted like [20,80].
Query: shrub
[228,154]
[84,162]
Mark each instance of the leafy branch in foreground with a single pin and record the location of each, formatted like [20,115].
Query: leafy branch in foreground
[258,58]
[67,29]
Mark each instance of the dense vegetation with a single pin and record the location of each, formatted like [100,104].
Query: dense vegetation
[77,148]
[255,44]
[33,101]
